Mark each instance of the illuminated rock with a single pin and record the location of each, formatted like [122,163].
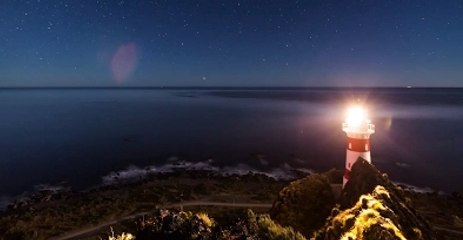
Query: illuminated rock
[374,208]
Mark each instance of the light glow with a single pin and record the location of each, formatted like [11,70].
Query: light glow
[356,115]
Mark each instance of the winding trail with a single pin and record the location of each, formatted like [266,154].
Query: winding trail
[93,230]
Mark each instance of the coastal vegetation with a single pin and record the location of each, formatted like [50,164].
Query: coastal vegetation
[53,214]
[304,204]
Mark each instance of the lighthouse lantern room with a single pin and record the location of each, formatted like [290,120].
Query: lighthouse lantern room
[358,129]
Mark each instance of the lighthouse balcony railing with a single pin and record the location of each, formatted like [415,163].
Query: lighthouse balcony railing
[367,128]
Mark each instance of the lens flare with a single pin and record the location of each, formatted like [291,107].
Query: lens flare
[123,62]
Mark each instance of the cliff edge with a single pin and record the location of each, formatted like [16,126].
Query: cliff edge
[371,207]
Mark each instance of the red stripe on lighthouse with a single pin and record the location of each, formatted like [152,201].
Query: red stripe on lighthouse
[347,174]
[358,145]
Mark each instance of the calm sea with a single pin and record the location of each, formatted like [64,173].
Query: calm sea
[80,135]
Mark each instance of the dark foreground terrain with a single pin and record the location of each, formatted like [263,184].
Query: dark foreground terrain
[203,205]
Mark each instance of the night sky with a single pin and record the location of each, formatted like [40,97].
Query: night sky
[231,43]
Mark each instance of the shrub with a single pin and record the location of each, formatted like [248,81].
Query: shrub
[268,229]
[124,236]
[304,204]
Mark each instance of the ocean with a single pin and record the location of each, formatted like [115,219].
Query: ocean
[79,136]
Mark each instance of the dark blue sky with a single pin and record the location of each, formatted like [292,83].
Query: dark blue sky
[231,43]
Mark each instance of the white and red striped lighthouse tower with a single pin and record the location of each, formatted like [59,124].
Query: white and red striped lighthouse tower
[358,129]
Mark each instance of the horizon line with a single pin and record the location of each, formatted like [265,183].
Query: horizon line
[229,87]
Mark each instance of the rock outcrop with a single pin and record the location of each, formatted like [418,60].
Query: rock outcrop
[374,208]
[363,180]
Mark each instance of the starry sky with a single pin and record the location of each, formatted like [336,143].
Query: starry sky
[231,43]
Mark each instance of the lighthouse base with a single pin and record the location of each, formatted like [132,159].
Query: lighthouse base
[351,158]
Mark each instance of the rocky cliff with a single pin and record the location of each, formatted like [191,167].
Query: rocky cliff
[371,207]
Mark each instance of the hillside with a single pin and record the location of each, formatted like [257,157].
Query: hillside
[369,207]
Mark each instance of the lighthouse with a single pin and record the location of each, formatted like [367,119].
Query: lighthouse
[358,129]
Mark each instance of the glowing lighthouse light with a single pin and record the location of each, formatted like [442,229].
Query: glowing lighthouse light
[358,129]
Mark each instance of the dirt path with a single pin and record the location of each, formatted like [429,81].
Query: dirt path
[92,230]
